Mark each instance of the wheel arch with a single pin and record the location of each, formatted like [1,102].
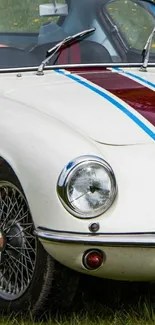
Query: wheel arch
[4,163]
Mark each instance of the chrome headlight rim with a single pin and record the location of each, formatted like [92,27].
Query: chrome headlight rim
[66,175]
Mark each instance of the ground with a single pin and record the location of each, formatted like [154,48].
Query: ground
[103,302]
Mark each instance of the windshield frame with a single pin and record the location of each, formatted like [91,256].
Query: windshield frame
[74,65]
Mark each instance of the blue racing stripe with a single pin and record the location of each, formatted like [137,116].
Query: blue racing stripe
[113,101]
[136,77]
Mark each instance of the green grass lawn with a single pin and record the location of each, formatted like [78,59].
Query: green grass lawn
[121,304]
[106,317]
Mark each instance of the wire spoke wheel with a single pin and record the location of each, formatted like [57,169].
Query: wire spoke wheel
[31,281]
[18,244]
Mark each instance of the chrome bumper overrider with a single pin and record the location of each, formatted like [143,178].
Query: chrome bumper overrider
[100,239]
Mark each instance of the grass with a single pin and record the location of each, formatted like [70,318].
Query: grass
[103,303]
[103,317]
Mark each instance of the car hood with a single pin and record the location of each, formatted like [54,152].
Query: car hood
[111,106]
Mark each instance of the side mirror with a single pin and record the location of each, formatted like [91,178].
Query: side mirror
[53,9]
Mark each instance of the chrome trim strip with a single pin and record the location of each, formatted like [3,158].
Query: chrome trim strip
[132,240]
[65,66]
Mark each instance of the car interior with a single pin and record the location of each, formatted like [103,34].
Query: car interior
[36,45]
[29,49]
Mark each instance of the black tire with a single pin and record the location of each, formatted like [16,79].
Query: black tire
[49,284]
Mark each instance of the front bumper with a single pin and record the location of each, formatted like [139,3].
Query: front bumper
[132,239]
[127,256]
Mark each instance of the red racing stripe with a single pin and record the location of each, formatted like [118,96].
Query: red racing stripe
[139,97]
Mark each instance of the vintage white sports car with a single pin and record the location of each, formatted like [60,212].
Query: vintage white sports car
[77,147]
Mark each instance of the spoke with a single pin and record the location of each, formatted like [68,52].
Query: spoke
[2,210]
[14,222]
[6,262]
[25,266]
[26,224]
[15,219]
[16,247]
[20,252]
[28,243]
[17,266]
[16,277]
[11,271]
[2,274]
[7,198]
[29,258]
[22,272]
[29,236]
[9,202]
[27,269]
[16,235]
[16,289]
[7,215]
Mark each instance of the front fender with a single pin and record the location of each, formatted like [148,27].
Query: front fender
[37,147]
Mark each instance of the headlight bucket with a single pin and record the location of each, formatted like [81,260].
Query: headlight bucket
[87,187]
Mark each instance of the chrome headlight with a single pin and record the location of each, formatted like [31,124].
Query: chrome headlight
[87,187]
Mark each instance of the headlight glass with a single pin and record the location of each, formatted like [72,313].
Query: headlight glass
[87,188]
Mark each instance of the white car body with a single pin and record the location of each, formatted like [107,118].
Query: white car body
[77,148]
[46,121]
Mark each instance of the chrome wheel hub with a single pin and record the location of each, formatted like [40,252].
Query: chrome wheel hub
[17,243]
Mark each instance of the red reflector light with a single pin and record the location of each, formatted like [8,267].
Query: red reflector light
[93,259]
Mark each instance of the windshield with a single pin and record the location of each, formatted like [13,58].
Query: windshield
[29,28]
